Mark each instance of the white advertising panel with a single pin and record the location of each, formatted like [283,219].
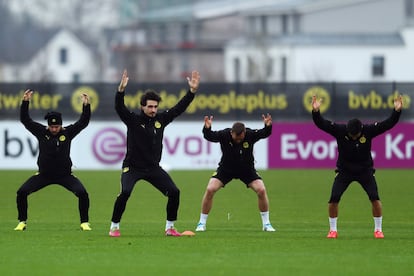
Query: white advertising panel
[102,146]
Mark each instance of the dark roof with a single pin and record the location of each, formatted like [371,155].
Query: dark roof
[216,8]
[18,46]
[22,47]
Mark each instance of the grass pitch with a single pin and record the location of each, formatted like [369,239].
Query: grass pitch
[233,243]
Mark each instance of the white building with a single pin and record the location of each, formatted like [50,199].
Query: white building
[62,58]
[324,40]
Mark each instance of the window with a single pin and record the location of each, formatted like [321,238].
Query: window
[256,25]
[76,77]
[162,33]
[149,67]
[283,69]
[236,64]
[378,64]
[285,24]
[251,25]
[185,33]
[169,66]
[409,8]
[63,56]
[269,67]
[296,23]
[149,35]
[185,66]
[263,24]
[251,68]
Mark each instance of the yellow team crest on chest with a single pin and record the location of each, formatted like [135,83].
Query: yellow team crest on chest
[157,124]
[246,145]
[62,138]
[362,139]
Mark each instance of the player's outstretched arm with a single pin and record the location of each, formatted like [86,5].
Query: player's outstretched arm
[208,121]
[124,81]
[316,103]
[27,95]
[398,103]
[85,99]
[267,119]
[194,81]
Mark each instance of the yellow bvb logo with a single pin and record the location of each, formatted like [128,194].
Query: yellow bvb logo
[320,93]
[245,145]
[62,138]
[362,140]
[76,99]
[157,124]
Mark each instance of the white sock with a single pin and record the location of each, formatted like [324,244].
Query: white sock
[114,225]
[203,218]
[265,217]
[169,224]
[332,224]
[378,223]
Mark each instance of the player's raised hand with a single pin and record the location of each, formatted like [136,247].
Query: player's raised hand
[398,103]
[208,121]
[316,103]
[85,98]
[27,95]
[124,81]
[267,119]
[194,81]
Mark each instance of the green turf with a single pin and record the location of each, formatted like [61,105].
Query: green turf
[233,244]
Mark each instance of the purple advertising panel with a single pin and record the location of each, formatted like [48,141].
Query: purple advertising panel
[303,145]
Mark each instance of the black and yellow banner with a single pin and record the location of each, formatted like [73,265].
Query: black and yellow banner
[225,101]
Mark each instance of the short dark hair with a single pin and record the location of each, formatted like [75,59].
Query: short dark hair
[151,95]
[354,126]
[238,128]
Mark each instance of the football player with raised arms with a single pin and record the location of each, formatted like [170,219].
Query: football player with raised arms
[355,161]
[54,162]
[237,162]
[145,132]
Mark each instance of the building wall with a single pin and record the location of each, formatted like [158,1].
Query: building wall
[367,17]
[325,63]
[319,61]
[351,63]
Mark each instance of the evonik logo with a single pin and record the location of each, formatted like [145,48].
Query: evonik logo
[397,147]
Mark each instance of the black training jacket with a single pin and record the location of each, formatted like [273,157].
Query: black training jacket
[145,134]
[237,157]
[54,150]
[354,156]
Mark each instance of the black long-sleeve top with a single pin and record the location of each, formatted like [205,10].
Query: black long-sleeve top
[145,134]
[54,150]
[354,156]
[237,157]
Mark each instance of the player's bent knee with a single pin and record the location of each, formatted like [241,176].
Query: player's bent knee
[82,195]
[211,191]
[124,195]
[173,192]
[22,192]
[261,191]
